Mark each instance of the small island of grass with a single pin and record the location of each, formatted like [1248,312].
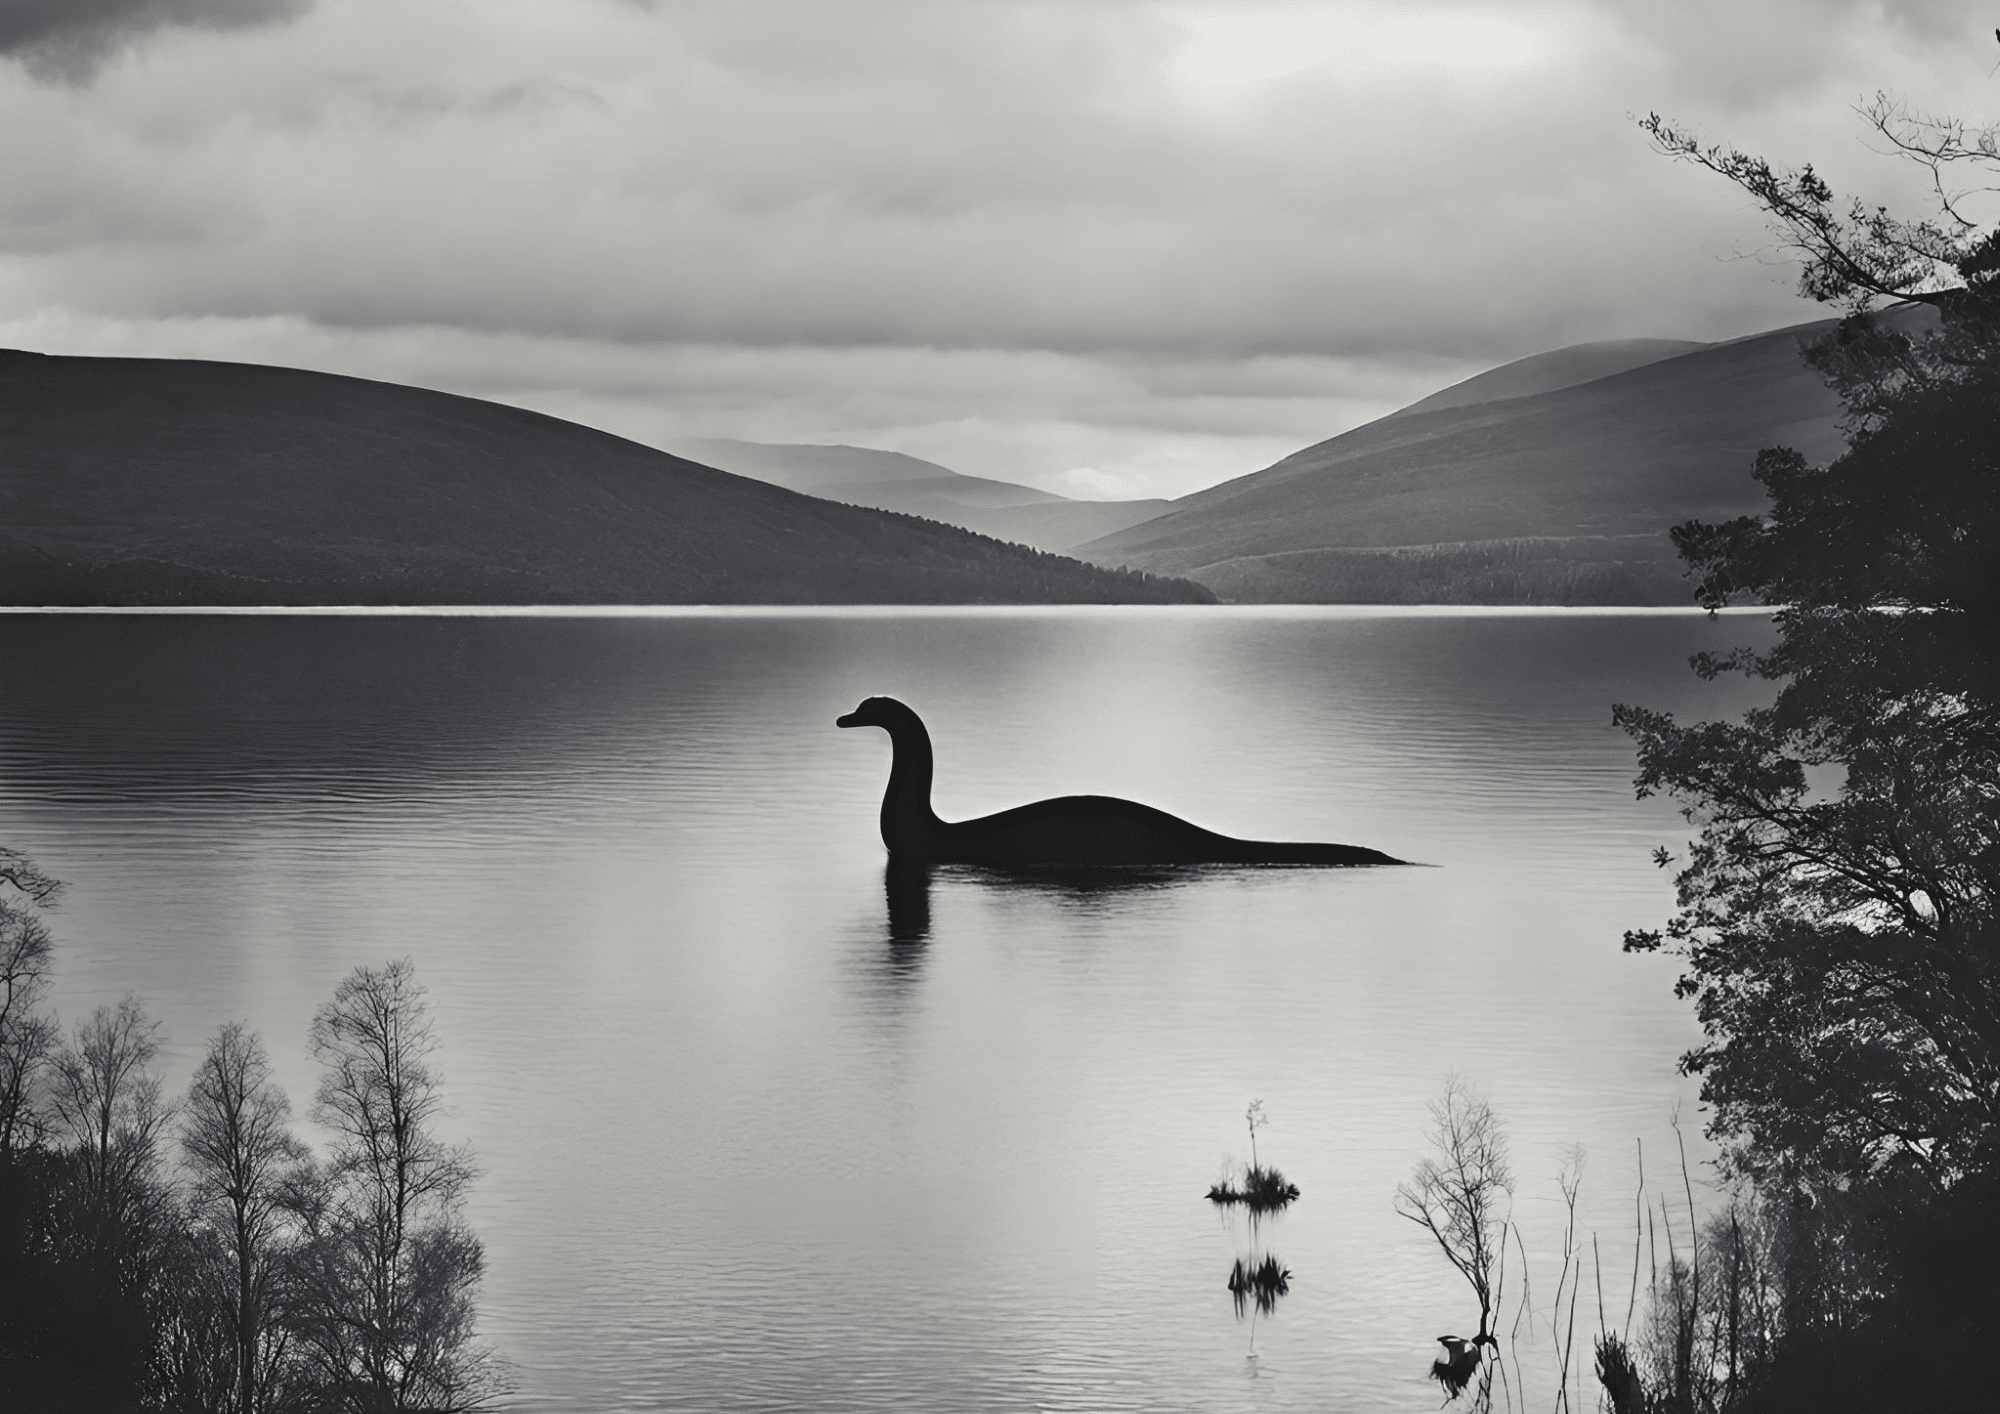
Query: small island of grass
[1261,1190]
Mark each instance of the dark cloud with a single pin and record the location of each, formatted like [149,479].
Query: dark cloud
[68,39]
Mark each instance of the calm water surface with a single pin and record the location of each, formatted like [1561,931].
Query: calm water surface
[751,1142]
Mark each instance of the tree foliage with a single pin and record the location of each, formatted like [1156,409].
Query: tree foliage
[1852,253]
[1836,912]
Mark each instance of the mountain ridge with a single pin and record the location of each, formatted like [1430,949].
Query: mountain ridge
[896,481]
[1573,488]
[135,481]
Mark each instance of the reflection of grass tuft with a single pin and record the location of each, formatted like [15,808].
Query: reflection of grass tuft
[1263,1282]
[1262,1190]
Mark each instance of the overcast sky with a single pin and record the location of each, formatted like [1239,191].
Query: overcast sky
[1108,247]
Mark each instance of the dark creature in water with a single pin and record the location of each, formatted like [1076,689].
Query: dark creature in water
[1067,831]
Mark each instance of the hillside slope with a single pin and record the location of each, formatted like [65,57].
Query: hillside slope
[142,481]
[892,481]
[1558,368]
[1561,495]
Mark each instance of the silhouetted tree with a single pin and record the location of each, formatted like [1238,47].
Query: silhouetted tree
[1841,944]
[31,1304]
[242,1163]
[101,1217]
[1456,1195]
[260,1285]
[27,1033]
[389,1270]
[105,1100]
[1849,252]
[194,1350]
[1836,913]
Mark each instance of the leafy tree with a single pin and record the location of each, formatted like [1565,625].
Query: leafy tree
[1836,913]
[389,1269]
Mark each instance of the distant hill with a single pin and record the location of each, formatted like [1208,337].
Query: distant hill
[1546,372]
[891,481]
[1523,485]
[158,481]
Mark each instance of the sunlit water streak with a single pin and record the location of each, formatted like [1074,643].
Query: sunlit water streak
[741,1150]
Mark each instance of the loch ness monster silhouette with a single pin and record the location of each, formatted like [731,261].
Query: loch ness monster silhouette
[1066,831]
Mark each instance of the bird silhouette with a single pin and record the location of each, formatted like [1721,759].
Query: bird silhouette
[1068,830]
[1459,1363]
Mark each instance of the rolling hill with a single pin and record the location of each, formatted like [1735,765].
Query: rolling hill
[160,481]
[1550,480]
[1546,372]
[891,481]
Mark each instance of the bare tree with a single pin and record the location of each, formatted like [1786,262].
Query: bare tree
[108,1220]
[193,1337]
[106,1096]
[242,1160]
[1457,1196]
[27,1034]
[390,1267]
[1570,1180]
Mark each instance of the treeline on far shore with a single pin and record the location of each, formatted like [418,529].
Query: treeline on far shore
[1526,570]
[190,1253]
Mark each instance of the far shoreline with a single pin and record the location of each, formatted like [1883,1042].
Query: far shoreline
[886,611]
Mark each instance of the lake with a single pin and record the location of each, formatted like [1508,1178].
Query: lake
[751,1138]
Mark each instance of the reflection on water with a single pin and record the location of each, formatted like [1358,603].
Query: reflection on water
[1084,891]
[908,887]
[765,1127]
[1261,1281]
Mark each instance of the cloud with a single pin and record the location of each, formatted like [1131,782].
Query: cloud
[980,176]
[69,39]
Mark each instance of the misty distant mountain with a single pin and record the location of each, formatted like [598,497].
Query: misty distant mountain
[891,481]
[1550,480]
[154,481]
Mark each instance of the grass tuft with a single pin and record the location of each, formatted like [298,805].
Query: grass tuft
[1261,1190]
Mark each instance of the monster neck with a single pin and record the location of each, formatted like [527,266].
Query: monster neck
[909,827]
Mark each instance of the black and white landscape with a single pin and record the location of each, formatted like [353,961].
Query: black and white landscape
[998,704]
[1550,480]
